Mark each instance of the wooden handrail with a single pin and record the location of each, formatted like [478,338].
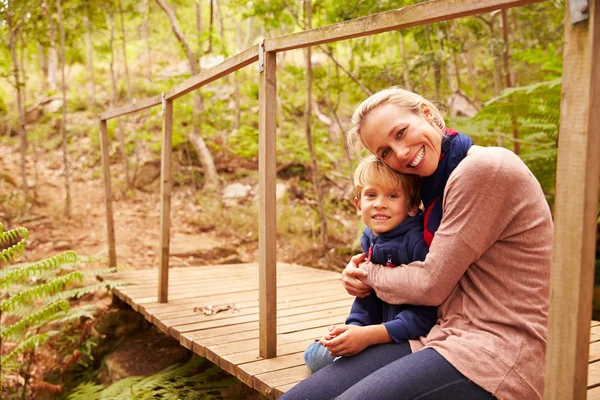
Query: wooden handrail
[132,107]
[206,76]
[418,14]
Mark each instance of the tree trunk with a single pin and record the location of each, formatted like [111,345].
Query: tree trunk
[469,62]
[12,43]
[115,99]
[437,73]
[220,23]
[43,62]
[64,112]
[309,140]
[52,58]
[146,33]
[513,116]
[124,45]
[210,26]
[199,24]
[90,62]
[211,178]
[406,74]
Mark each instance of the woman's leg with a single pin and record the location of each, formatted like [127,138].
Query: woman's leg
[424,375]
[336,378]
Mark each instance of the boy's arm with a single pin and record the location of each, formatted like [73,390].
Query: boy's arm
[411,323]
[348,340]
[365,311]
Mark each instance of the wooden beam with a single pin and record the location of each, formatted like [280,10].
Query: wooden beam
[206,76]
[131,108]
[575,211]
[267,234]
[419,14]
[166,183]
[110,224]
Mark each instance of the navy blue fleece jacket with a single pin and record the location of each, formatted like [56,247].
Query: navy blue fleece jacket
[401,245]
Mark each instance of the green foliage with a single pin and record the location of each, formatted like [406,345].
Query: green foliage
[537,109]
[12,243]
[35,299]
[194,380]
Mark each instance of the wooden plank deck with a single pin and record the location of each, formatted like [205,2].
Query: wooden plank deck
[308,300]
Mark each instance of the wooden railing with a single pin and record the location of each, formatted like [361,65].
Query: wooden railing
[578,170]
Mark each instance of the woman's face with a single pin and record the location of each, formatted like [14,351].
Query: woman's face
[407,142]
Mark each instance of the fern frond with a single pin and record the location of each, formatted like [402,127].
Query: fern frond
[95,392]
[37,268]
[78,313]
[85,391]
[12,243]
[82,291]
[27,345]
[39,317]
[38,292]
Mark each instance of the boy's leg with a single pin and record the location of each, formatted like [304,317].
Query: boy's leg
[316,357]
[330,382]
[424,375]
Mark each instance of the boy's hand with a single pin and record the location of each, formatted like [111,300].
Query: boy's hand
[346,340]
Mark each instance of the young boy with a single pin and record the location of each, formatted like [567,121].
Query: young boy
[388,203]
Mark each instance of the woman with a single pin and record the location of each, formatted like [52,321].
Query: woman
[487,270]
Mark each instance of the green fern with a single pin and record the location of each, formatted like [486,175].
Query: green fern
[41,316]
[29,344]
[12,243]
[20,275]
[40,292]
[175,382]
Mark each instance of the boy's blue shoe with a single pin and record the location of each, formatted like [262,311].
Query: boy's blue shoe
[316,357]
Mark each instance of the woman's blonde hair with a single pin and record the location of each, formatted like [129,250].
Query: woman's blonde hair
[394,95]
[373,171]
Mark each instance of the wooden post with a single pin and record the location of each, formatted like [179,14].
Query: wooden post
[267,235]
[110,224]
[166,182]
[578,170]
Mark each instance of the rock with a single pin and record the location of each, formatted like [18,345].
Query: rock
[119,322]
[147,179]
[63,245]
[143,354]
[235,193]
[280,190]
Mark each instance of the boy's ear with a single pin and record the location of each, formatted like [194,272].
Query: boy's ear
[357,204]
[413,211]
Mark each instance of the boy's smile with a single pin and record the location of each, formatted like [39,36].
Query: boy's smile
[380,209]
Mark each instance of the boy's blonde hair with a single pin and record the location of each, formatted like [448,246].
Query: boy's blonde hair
[394,95]
[373,171]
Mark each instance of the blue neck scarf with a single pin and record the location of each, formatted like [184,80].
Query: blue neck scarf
[454,148]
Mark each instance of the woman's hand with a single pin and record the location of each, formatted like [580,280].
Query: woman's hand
[346,340]
[351,278]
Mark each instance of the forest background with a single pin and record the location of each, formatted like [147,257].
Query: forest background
[497,76]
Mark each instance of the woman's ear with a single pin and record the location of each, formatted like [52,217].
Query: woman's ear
[427,114]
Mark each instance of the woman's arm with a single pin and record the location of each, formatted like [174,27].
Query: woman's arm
[482,197]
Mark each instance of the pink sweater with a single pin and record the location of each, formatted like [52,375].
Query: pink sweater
[488,270]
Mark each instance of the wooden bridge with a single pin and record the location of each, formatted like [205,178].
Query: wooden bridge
[213,311]
[277,313]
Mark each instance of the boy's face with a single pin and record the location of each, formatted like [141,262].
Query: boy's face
[381,210]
